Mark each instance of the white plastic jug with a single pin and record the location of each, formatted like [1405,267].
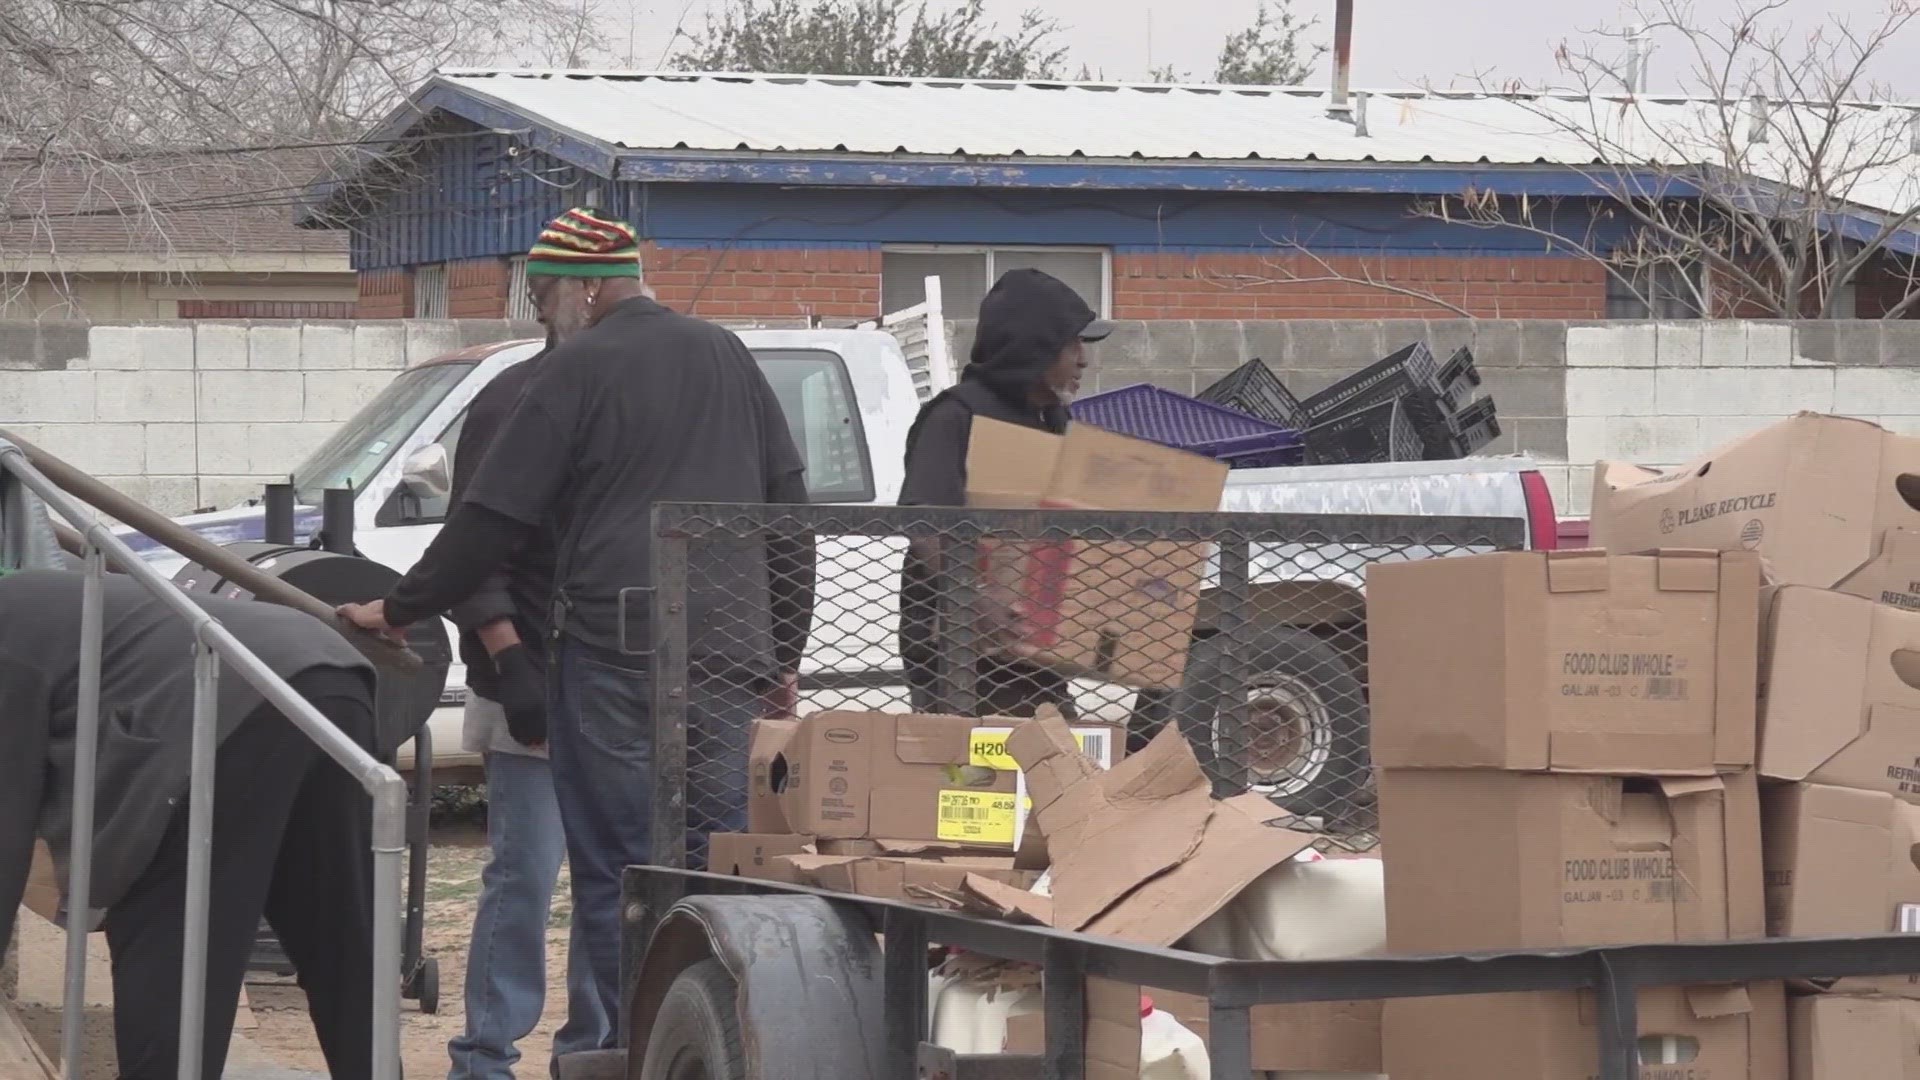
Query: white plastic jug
[1333,909]
[971,1018]
[1169,1050]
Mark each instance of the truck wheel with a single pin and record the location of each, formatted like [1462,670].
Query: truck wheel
[696,1034]
[1305,741]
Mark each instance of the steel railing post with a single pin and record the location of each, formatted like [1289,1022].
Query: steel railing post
[193,955]
[80,852]
[389,847]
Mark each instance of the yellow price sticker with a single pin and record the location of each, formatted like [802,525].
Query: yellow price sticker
[987,747]
[975,817]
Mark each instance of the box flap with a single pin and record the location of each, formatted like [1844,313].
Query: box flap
[1688,571]
[1584,570]
[931,740]
[1713,1002]
[1818,650]
[997,899]
[1110,471]
[1892,576]
[1008,466]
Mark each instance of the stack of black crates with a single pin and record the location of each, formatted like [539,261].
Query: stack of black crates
[1407,407]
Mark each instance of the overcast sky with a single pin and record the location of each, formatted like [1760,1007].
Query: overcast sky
[1397,43]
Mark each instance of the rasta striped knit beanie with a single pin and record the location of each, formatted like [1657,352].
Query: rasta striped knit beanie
[581,243]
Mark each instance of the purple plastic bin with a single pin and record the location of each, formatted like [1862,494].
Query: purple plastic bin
[1161,416]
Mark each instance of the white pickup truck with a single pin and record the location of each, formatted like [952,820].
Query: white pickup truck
[850,396]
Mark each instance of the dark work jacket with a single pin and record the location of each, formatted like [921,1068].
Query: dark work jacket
[522,588]
[146,714]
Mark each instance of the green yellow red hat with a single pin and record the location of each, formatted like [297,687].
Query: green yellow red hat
[581,243]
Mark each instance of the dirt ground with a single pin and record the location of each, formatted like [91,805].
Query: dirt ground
[282,1036]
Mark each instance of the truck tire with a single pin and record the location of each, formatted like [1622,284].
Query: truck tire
[1305,746]
[696,1035]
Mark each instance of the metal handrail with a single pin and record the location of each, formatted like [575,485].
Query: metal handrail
[212,643]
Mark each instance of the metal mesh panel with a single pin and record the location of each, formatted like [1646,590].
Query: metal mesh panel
[1245,632]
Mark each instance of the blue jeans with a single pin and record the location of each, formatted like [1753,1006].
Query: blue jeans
[601,731]
[507,962]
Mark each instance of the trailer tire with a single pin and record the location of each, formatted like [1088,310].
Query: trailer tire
[1307,743]
[696,1034]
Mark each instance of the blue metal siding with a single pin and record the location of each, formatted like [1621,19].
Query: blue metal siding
[468,198]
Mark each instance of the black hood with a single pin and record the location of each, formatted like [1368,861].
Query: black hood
[1025,320]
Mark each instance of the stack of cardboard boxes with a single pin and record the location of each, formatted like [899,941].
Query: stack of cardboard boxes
[1567,747]
[1833,506]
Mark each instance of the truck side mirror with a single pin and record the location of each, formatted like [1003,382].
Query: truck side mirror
[425,473]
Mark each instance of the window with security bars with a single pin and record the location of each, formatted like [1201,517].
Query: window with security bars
[519,302]
[1657,291]
[966,273]
[430,291]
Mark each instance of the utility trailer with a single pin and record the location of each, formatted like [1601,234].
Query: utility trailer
[731,978]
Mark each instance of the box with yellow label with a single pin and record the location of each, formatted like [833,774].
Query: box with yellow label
[855,775]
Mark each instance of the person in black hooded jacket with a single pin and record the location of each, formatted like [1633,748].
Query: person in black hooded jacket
[1029,354]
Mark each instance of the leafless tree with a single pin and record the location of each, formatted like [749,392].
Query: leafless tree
[1784,178]
[142,110]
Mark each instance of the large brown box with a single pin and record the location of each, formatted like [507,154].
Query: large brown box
[1572,661]
[1686,1033]
[1487,859]
[1121,611]
[854,775]
[1837,706]
[1853,1038]
[1816,495]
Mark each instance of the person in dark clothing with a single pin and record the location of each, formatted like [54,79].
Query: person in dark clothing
[641,406]
[1029,354]
[292,836]
[502,642]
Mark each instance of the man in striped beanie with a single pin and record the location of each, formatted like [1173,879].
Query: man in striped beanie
[583,262]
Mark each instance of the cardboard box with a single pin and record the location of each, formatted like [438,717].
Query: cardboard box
[855,775]
[755,855]
[1117,611]
[1572,661]
[1853,1038]
[935,881]
[1141,852]
[1508,860]
[1838,861]
[1813,494]
[1839,701]
[1686,1033]
[764,814]
[1893,575]
[1321,1036]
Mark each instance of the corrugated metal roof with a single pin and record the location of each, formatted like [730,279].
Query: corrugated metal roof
[723,113]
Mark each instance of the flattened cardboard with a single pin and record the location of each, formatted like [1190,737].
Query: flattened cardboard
[869,775]
[1141,852]
[1814,494]
[1321,1036]
[936,882]
[1837,707]
[1487,860]
[1853,1038]
[764,814]
[755,855]
[1571,661]
[1119,611]
[1840,861]
[1723,1033]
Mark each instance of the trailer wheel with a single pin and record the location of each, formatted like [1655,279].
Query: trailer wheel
[1305,741]
[696,1035]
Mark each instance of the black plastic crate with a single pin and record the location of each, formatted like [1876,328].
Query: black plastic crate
[1410,370]
[1459,378]
[1254,389]
[1376,433]
[1479,424]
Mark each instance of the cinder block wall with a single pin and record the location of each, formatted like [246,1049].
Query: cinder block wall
[185,415]
[194,414]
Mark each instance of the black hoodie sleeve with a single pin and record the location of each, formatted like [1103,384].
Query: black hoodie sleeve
[936,465]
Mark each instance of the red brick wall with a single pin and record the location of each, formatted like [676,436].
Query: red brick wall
[477,289]
[268,309]
[1879,289]
[766,283]
[385,294]
[1222,286]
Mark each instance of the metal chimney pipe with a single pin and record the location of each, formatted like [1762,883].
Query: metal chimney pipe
[1338,108]
[336,520]
[1757,120]
[279,510]
[1637,60]
[1360,114]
